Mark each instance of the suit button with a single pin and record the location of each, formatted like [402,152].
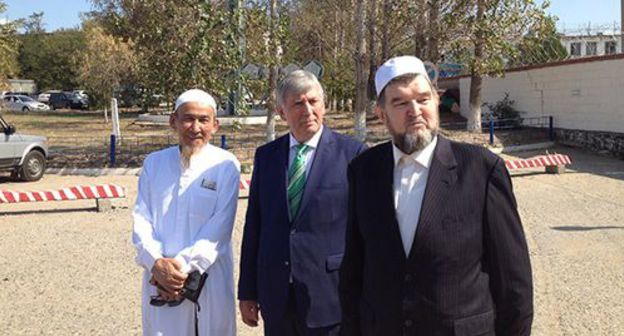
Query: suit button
[408,278]
[408,323]
[286,263]
[293,231]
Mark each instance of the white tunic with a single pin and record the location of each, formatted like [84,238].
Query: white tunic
[188,215]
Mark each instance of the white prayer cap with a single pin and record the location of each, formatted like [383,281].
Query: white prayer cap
[196,96]
[396,67]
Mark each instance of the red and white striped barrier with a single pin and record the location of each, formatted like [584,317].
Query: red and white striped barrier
[244,184]
[539,161]
[64,194]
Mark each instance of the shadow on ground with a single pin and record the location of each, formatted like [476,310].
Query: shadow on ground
[586,228]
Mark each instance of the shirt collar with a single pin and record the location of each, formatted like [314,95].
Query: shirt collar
[423,156]
[312,142]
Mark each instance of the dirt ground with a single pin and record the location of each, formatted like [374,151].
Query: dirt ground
[68,270]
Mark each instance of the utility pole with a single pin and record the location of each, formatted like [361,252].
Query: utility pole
[234,96]
[622,26]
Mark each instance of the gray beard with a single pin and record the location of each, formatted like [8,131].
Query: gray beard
[409,143]
[186,153]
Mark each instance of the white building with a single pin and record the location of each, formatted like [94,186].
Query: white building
[592,45]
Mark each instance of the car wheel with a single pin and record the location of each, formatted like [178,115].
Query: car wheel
[25,109]
[33,167]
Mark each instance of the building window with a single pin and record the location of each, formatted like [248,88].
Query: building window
[575,49]
[610,47]
[591,49]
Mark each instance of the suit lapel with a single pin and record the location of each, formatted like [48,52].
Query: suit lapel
[385,186]
[281,161]
[321,159]
[442,176]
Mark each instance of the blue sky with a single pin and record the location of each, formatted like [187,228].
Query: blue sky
[57,13]
[65,13]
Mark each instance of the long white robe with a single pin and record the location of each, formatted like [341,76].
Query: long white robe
[188,214]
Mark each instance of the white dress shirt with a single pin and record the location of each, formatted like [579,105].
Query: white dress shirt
[410,180]
[309,154]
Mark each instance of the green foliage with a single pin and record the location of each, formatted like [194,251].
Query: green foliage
[8,49]
[107,63]
[178,44]
[497,34]
[53,59]
[540,45]
[502,109]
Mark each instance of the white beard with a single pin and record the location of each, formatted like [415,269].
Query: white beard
[186,153]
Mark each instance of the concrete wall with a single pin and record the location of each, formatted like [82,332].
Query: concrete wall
[581,94]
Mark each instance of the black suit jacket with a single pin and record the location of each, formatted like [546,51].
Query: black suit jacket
[311,247]
[468,272]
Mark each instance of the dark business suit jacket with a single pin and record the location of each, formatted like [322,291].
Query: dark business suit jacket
[468,272]
[311,247]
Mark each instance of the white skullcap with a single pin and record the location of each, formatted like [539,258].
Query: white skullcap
[396,67]
[196,96]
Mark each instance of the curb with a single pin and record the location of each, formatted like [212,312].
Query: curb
[137,171]
[94,171]
[530,147]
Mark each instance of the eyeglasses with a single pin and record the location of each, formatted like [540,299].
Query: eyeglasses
[158,301]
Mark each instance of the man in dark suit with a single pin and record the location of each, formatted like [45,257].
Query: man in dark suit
[434,241]
[293,240]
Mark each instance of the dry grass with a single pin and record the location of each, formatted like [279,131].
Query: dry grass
[81,138]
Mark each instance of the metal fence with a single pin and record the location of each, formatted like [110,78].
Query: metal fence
[130,151]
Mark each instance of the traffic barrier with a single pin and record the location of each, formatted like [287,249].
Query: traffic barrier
[554,163]
[97,192]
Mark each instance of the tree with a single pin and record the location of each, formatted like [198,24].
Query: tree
[178,44]
[8,49]
[360,76]
[52,59]
[34,24]
[492,30]
[273,54]
[541,45]
[107,63]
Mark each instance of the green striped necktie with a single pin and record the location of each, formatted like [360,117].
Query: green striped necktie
[296,181]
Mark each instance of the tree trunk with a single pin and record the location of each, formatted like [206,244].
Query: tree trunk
[372,56]
[360,76]
[274,55]
[433,53]
[474,119]
[385,43]
[420,26]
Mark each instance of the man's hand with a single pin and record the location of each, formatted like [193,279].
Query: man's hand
[166,295]
[249,312]
[166,273]
[162,292]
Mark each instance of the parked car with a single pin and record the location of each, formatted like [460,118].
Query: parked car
[79,99]
[24,155]
[23,103]
[80,93]
[44,97]
[60,100]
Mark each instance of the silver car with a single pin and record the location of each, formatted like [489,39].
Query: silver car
[24,155]
[23,103]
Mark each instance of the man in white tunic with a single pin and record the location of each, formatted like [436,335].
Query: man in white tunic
[183,221]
